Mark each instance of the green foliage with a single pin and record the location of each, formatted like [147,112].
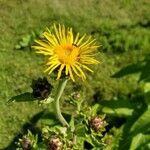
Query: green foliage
[136,130]
[140,142]
[85,126]
[141,67]
[117,111]
[28,141]
[25,97]
[142,124]
[123,40]
[119,26]
[27,40]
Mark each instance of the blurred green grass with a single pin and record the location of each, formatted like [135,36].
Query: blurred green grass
[121,27]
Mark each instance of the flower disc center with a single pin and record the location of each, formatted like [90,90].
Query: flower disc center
[67,54]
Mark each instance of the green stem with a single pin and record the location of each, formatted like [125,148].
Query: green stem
[60,90]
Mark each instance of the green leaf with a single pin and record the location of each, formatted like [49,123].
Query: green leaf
[80,130]
[147,98]
[117,107]
[117,104]
[118,111]
[134,68]
[142,124]
[94,109]
[72,126]
[57,129]
[25,97]
[142,67]
[139,141]
[79,143]
[137,123]
[145,73]
[147,87]
[47,100]
[93,140]
[48,119]
[41,146]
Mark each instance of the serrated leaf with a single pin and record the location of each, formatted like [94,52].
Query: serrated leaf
[94,109]
[79,143]
[80,130]
[96,142]
[62,130]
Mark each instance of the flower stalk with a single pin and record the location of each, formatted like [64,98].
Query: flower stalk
[60,90]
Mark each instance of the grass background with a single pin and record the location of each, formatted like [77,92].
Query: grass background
[120,26]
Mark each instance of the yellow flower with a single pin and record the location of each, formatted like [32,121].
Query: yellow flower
[67,52]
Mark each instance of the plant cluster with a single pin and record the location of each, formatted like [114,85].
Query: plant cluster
[106,125]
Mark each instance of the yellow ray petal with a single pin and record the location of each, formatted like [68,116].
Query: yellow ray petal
[80,70]
[66,52]
[81,39]
[63,34]
[87,68]
[51,66]
[57,33]
[76,39]
[85,43]
[50,39]
[60,70]
[44,53]
[60,33]
[71,36]
[71,75]
[76,72]
[42,43]
[39,48]
[67,69]
[88,60]
[52,69]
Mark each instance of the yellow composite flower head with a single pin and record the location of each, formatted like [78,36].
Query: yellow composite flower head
[67,53]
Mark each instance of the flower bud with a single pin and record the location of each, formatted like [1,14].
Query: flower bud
[54,143]
[98,124]
[76,95]
[108,141]
[26,144]
[41,88]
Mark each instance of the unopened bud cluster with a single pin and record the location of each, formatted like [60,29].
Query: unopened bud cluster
[54,143]
[25,143]
[41,88]
[98,124]
[76,95]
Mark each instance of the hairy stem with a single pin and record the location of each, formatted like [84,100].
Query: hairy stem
[60,90]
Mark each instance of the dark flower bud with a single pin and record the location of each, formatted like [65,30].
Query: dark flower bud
[54,143]
[41,88]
